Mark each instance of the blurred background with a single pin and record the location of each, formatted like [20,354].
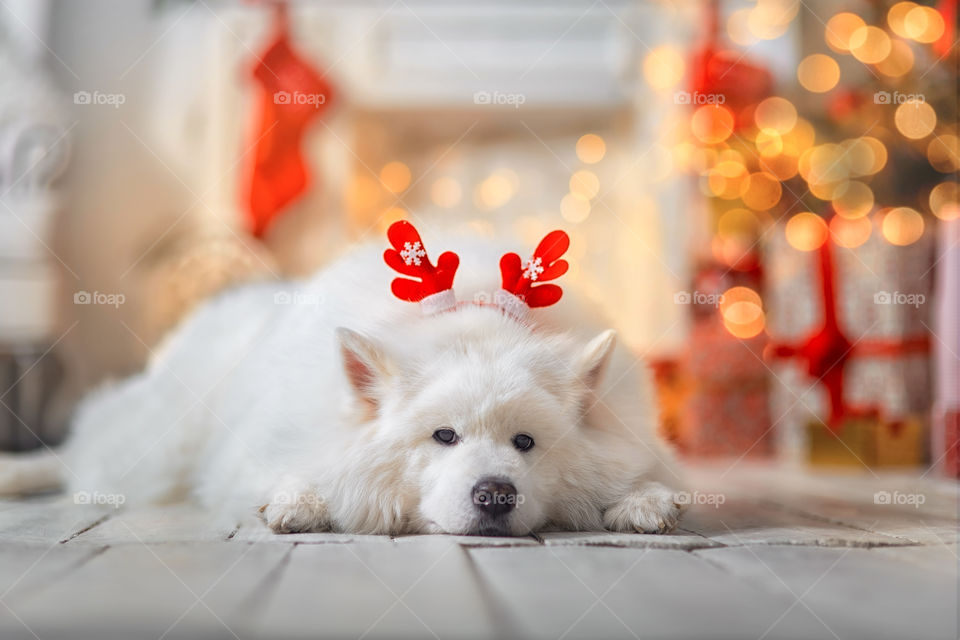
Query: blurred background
[762,194]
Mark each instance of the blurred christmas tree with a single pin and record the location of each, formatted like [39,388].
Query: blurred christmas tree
[824,190]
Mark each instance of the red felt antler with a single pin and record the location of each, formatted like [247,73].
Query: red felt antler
[519,277]
[409,257]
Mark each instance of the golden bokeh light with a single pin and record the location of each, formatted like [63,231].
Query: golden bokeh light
[663,68]
[363,192]
[828,190]
[839,29]
[742,312]
[806,231]
[823,164]
[870,44]
[818,73]
[395,176]
[762,191]
[391,215]
[574,209]
[899,62]
[712,123]
[945,200]
[915,119]
[923,24]
[496,190]
[769,143]
[446,192]
[943,152]
[897,15]
[585,184]
[727,179]
[775,113]
[902,226]
[591,148]
[800,138]
[850,233]
[738,28]
[739,223]
[863,156]
[854,201]
[783,166]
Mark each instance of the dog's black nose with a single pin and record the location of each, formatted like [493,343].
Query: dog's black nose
[494,496]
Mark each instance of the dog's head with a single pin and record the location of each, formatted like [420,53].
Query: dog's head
[481,416]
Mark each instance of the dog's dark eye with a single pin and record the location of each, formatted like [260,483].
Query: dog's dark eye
[523,442]
[445,436]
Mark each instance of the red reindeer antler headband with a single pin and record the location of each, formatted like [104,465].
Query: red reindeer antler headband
[522,282]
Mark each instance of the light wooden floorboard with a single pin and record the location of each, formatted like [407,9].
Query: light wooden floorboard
[773,553]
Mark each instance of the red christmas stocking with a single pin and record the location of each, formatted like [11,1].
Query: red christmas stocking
[292,94]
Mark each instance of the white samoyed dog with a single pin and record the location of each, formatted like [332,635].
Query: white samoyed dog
[329,404]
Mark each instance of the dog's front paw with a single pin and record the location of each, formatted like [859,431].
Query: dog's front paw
[652,509]
[296,512]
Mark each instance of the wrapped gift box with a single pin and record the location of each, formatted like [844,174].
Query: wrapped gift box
[879,303]
[867,441]
[726,413]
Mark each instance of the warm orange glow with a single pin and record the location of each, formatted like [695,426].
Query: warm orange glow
[585,184]
[915,120]
[945,200]
[727,179]
[800,138]
[870,44]
[574,209]
[818,73]
[897,15]
[446,192]
[863,156]
[899,62]
[738,223]
[782,166]
[850,233]
[923,24]
[762,191]
[391,215]
[497,190]
[943,152]
[395,176]
[591,148]
[775,113]
[738,29]
[744,320]
[806,231]
[855,201]
[823,164]
[902,226]
[363,192]
[712,123]
[769,143]
[839,29]
[663,68]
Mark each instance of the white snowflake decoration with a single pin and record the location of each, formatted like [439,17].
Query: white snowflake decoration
[412,252]
[532,269]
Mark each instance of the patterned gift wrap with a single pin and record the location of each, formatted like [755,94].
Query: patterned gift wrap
[880,306]
[726,414]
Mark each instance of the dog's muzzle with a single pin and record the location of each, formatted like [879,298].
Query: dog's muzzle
[494,499]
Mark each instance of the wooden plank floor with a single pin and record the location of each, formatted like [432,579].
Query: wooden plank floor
[761,553]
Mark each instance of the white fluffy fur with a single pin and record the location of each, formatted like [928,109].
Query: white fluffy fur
[249,404]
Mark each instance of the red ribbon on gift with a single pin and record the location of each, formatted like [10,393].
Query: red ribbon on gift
[827,350]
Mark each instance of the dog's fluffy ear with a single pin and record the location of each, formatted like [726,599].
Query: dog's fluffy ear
[593,360]
[366,365]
